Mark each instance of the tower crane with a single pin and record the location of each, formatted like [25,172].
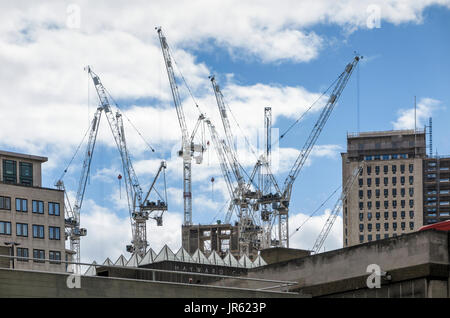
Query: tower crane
[282,206]
[336,210]
[188,148]
[140,209]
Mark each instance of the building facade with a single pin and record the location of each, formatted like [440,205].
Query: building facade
[31,216]
[386,199]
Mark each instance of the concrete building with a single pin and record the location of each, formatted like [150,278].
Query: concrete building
[386,200]
[211,237]
[436,189]
[31,216]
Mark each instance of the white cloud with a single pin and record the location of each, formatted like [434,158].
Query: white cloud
[306,236]
[424,109]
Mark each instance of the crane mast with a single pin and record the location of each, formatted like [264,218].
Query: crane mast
[308,146]
[188,148]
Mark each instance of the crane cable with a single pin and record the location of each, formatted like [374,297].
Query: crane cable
[315,211]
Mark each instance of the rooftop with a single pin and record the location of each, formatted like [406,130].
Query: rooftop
[23,156]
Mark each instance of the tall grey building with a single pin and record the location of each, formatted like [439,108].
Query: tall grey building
[387,197]
[31,216]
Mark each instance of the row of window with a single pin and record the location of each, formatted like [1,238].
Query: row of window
[37,255]
[386,181]
[385,192]
[386,169]
[386,226]
[386,204]
[54,232]
[10,172]
[377,237]
[386,157]
[386,215]
[36,206]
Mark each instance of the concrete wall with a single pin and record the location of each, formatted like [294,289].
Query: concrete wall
[4,262]
[21,283]
[426,247]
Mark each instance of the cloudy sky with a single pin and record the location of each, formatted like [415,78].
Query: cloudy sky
[282,54]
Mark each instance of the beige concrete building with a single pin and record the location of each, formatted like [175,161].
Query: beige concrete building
[31,217]
[386,200]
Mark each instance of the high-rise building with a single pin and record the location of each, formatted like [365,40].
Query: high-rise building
[31,216]
[386,199]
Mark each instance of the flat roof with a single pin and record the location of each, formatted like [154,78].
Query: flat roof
[385,133]
[23,156]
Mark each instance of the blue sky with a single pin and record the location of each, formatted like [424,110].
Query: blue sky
[270,56]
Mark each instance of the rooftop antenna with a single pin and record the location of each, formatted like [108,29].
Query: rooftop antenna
[415,127]
[430,132]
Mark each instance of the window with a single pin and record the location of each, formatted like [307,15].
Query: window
[38,254]
[411,225]
[377,204]
[361,205]
[360,182]
[386,215]
[38,207]
[369,237]
[377,226]
[361,227]
[5,228]
[394,214]
[385,181]
[386,204]
[386,236]
[386,192]
[402,203]
[361,216]
[402,214]
[369,227]
[394,156]
[26,173]
[394,169]
[361,238]
[394,192]
[386,226]
[38,231]
[385,169]
[361,194]
[53,208]
[54,233]
[369,216]
[369,205]
[385,157]
[411,214]
[369,170]
[394,204]
[403,226]
[369,182]
[411,203]
[376,157]
[21,205]
[378,236]
[402,168]
[368,158]
[377,215]
[411,192]
[54,256]
[394,181]
[402,180]
[369,194]
[22,252]
[5,203]
[377,170]
[394,225]
[377,182]
[402,192]
[377,193]
[411,180]
[9,171]
[411,167]
[21,229]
